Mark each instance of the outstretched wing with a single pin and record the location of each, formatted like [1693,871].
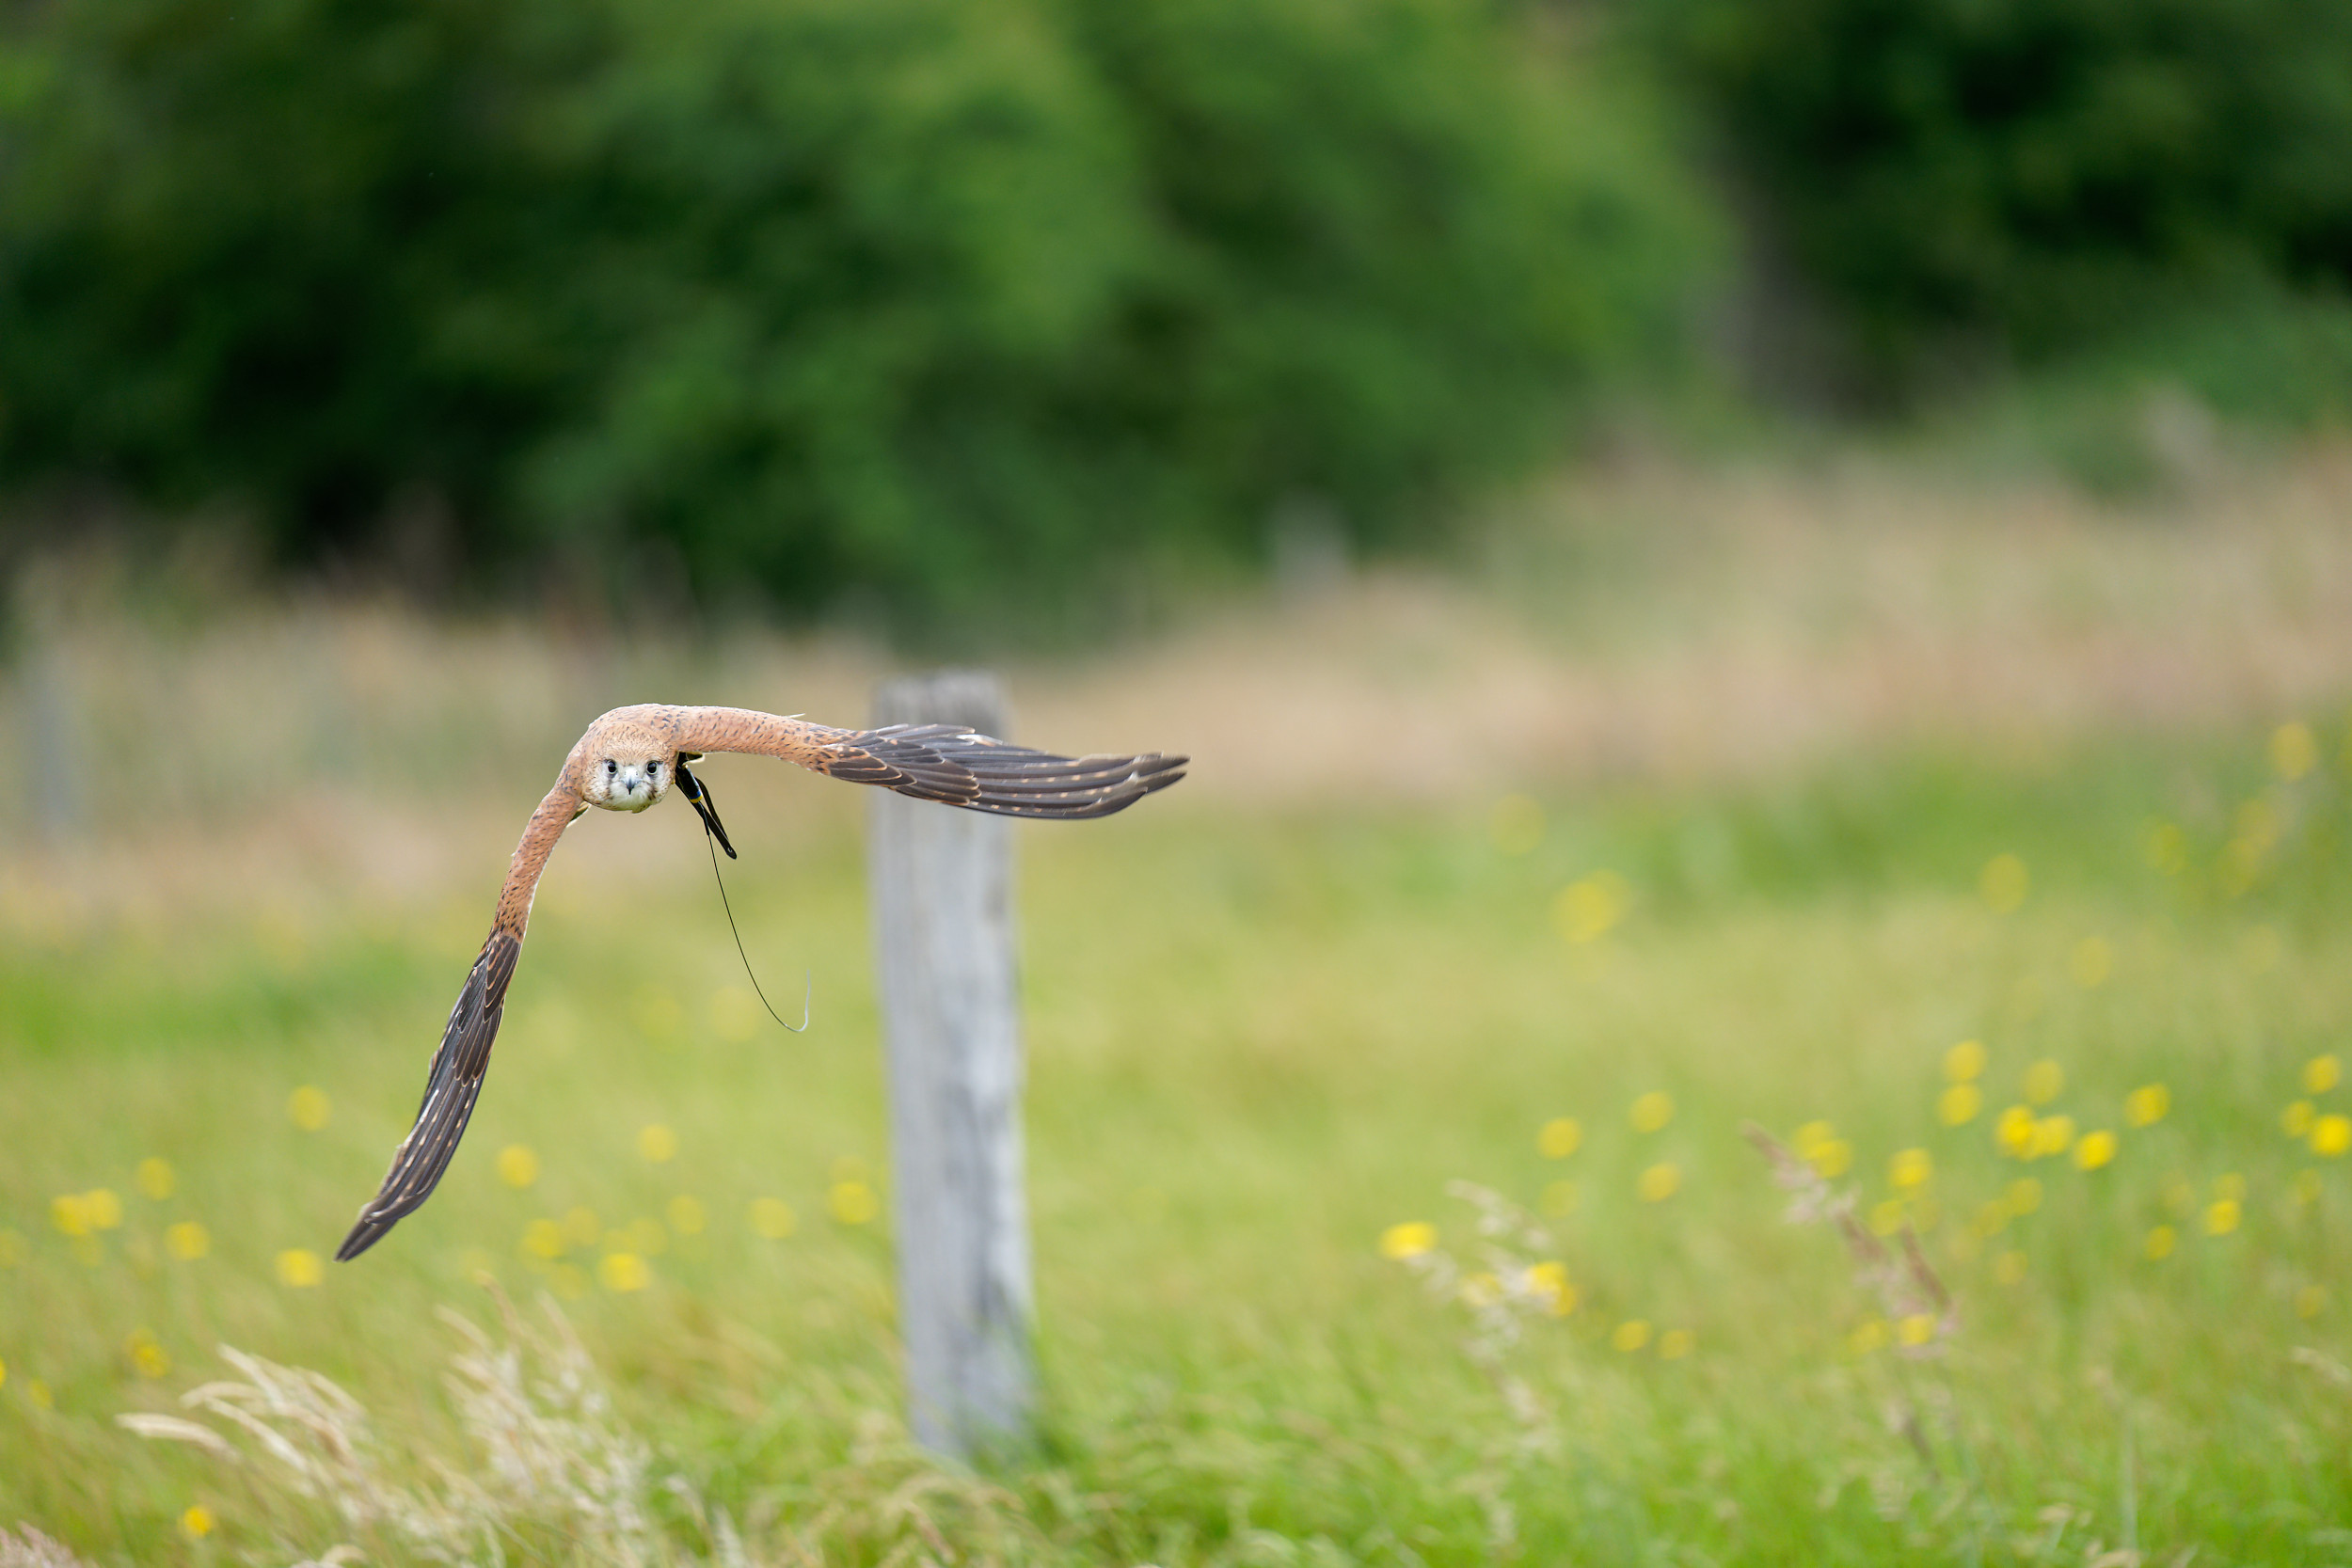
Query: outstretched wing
[947,763]
[455,1081]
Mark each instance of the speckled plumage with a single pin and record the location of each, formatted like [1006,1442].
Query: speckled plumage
[628,761]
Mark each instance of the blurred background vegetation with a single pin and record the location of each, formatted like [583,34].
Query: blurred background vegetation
[1719,561]
[955,319]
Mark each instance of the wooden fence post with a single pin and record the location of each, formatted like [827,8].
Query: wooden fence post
[944,952]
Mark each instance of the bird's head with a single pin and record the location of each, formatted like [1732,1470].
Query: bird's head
[626,768]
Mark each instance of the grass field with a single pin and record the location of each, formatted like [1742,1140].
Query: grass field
[1266,1044]
[1294,1035]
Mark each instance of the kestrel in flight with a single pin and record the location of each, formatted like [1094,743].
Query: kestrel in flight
[628,761]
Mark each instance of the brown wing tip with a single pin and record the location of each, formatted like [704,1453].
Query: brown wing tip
[1110,784]
[371,1229]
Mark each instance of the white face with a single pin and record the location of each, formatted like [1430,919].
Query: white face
[628,783]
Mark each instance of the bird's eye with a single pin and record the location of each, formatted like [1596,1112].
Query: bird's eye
[651,768]
[610,767]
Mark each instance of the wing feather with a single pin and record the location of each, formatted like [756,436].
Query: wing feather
[455,1082]
[947,763]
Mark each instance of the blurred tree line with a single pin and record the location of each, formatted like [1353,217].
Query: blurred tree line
[927,299]
[2023,180]
[958,306]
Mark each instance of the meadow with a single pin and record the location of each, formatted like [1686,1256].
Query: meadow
[1394,1192]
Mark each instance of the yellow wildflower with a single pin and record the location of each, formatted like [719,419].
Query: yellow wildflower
[1887,1216]
[2004,884]
[2293,751]
[773,1218]
[1964,1062]
[155,1178]
[1630,1335]
[1910,1168]
[2160,1243]
[852,1202]
[1812,1136]
[187,1240]
[299,1267]
[2331,1134]
[1959,1103]
[2044,1081]
[544,1239]
[2322,1073]
[309,1108]
[2221,1216]
[1548,1284]
[1658,1183]
[2296,1121]
[657,1143]
[2014,1131]
[147,1358]
[103,1206]
[1833,1158]
[1652,1111]
[196,1521]
[69,1215]
[1480,1289]
[1915,1329]
[2146,1105]
[2053,1135]
[1560,1137]
[518,1165]
[622,1272]
[1588,907]
[2095,1150]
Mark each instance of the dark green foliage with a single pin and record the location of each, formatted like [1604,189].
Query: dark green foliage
[2033,175]
[900,296]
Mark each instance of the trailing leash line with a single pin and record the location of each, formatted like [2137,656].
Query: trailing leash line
[715,839]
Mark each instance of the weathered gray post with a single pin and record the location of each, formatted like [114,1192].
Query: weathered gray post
[942,939]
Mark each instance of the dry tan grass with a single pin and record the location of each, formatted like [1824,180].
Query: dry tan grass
[1666,623]
[27,1547]
[1654,622]
[545,1450]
